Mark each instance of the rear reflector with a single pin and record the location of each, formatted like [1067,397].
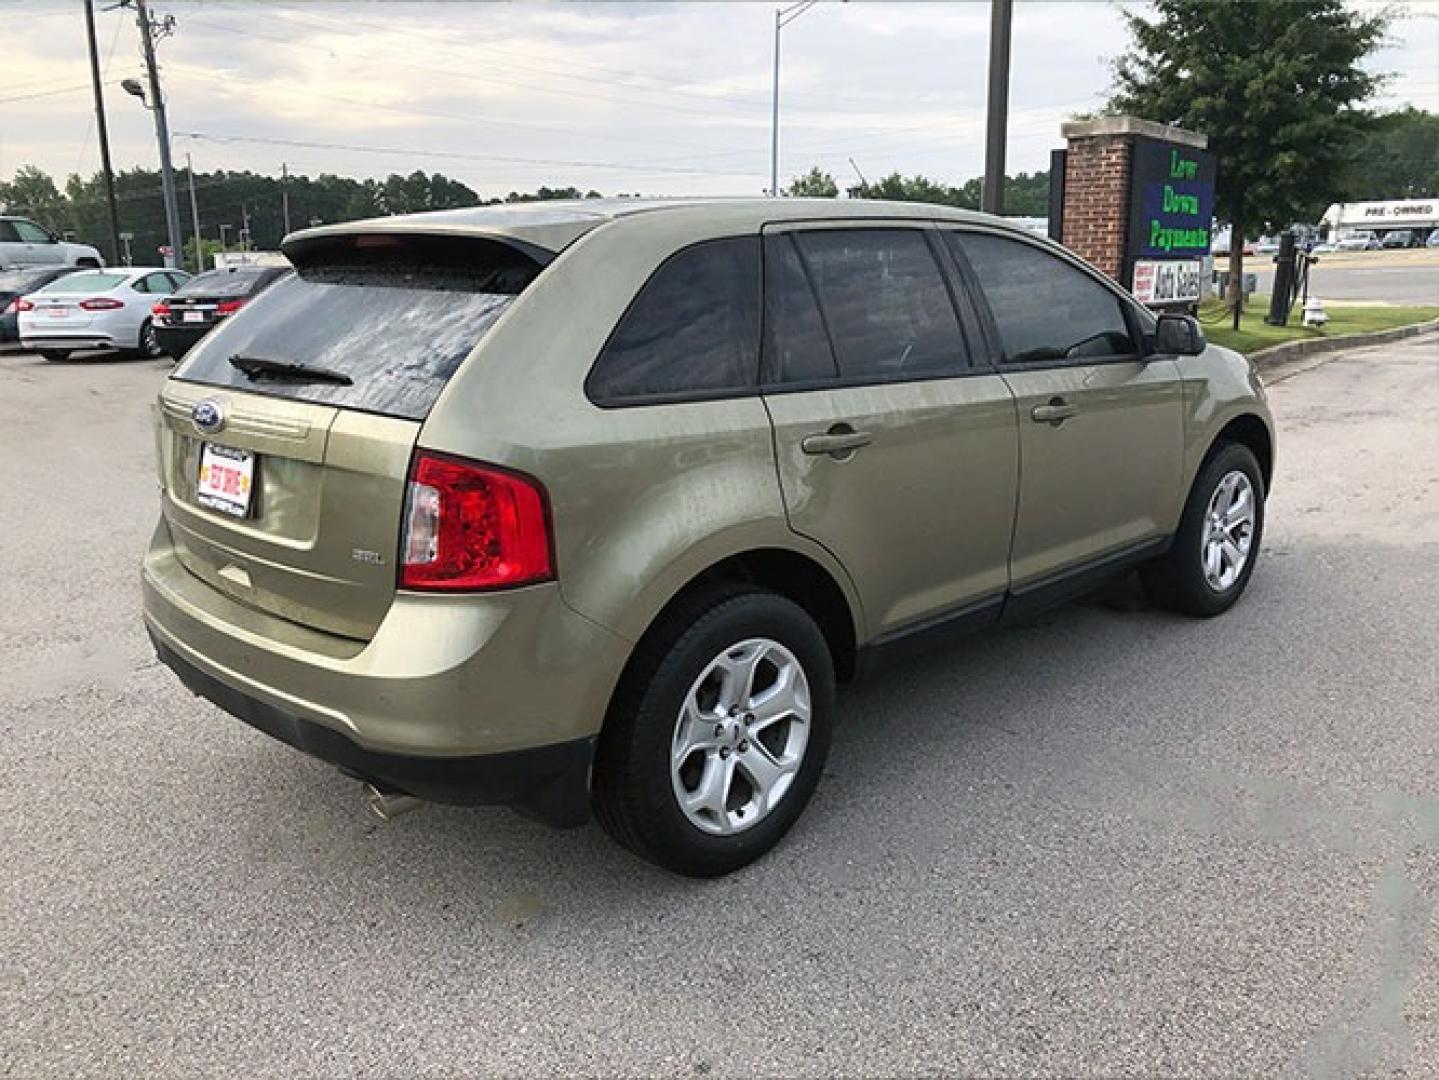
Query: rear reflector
[100,303]
[471,527]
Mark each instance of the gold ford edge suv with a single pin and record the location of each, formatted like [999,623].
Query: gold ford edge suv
[591,505]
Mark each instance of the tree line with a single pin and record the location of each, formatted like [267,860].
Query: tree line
[236,200]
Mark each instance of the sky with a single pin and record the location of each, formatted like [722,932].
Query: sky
[657,98]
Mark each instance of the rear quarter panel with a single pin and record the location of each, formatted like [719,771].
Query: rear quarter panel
[645,497]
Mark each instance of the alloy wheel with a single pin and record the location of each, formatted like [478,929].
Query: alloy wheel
[740,736]
[1228,531]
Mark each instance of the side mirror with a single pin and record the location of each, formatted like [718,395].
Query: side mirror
[1178,335]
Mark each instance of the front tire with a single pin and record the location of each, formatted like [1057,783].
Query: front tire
[718,734]
[1212,558]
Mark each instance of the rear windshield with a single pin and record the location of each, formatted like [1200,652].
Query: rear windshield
[224,283]
[84,283]
[394,315]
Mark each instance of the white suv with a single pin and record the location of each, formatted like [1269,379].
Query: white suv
[24,243]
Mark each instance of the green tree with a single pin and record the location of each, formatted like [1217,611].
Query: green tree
[815,184]
[1396,158]
[913,189]
[33,194]
[1276,85]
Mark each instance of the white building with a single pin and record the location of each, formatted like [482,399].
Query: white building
[1382,217]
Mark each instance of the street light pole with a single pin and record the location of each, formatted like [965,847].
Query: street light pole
[782,18]
[195,219]
[162,130]
[992,194]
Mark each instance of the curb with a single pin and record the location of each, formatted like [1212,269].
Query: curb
[1293,350]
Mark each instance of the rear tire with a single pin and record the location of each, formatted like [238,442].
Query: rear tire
[148,343]
[56,355]
[708,757]
[1212,558]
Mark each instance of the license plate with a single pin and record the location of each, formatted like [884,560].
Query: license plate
[193,316]
[227,479]
[56,312]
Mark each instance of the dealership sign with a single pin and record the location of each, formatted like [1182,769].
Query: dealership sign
[1167,282]
[1171,199]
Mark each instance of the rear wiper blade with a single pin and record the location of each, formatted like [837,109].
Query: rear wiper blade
[256,367]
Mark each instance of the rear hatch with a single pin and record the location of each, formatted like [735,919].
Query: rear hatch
[285,439]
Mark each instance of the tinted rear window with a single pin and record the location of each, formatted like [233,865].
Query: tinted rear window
[397,315]
[225,283]
[84,283]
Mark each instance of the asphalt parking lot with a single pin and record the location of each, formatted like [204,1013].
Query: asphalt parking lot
[1108,842]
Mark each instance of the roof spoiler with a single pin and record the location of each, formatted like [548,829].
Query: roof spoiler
[506,264]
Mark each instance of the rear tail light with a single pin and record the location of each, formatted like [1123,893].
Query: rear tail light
[24,305]
[471,527]
[161,310]
[228,307]
[100,303]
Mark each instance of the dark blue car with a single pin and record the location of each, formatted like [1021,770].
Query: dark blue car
[17,283]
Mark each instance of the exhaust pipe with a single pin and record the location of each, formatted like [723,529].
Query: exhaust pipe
[388,805]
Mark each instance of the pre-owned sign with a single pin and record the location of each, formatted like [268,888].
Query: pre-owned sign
[1171,199]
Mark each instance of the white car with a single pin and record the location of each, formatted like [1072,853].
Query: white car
[24,243]
[97,309]
[1359,241]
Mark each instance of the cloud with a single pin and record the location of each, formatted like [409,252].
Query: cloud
[661,98]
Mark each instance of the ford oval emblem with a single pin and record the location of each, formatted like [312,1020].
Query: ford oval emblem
[209,416]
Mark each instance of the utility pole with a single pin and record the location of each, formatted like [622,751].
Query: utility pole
[285,194]
[148,31]
[244,227]
[1001,16]
[195,219]
[102,130]
[224,246]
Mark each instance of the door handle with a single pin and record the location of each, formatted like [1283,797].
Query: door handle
[1056,412]
[839,441]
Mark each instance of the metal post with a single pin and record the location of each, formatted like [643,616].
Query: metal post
[285,194]
[162,132]
[195,219]
[102,130]
[774,116]
[224,247]
[992,195]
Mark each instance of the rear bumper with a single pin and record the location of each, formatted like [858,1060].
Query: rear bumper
[178,340]
[69,341]
[464,699]
[550,783]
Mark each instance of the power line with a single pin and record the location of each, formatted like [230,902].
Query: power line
[455,154]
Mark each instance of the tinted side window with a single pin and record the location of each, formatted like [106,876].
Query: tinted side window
[885,302]
[1045,309]
[693,328]
[797,345]
[31,233]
